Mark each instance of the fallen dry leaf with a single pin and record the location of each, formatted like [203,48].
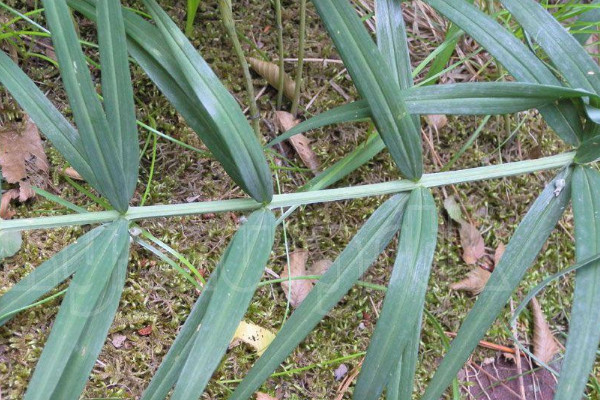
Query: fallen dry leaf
[472,243]
[319,268]
[5,211]
[340,372]
[22,158]
[437,121]
[145,331]
[453,209]
[264,396]
[296,290]
[474,282]
[545,345]
[286,121]
[71,173]
[499,253]
[270,72]
[118,340]
[257,337]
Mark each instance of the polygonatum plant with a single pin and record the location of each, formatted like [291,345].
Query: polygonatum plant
[560,80]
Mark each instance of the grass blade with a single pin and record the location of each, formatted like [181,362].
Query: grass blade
[49,120]
[117,89]
[520,253]
[584,327]
[482,98]
[571,59]
[403,305]
[84,318]
[192,9]
[98,141]
[516,58]
[360,253]
[370,74]
[48,275]
[241,268]
[230,133]
[591,16]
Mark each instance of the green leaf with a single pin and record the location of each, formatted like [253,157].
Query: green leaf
[405,298]
[569,57]
[101,151]
[588,151]
[204,338]
[360,253]
[85,316]
[516,58]
[48,119]
[520,253]
[591,16]
[10,243]
[117,89]
[401,382]
[230,136]
[192,9]
[584,327]
[482,98]
[370,74]
[48,275]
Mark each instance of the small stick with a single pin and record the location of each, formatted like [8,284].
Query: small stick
[488,345]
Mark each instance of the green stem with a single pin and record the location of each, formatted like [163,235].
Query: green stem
[299,67]
[300,198]
[227,16]
[279,23]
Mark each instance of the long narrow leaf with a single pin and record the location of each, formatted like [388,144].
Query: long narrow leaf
[84,318]
[231,133]
[403,305]
[360,253]
[589,150]
[520,253]
[569,57]
[485,98]
[48,275]
[117,89]
[49,120]
[98,141]
[591,16]
[371,73]
[516,58]
[584,328]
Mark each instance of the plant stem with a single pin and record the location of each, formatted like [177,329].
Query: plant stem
[299,67]
[279,22]
[297,199]
[227,17]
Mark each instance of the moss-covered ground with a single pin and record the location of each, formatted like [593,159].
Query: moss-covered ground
[158,296]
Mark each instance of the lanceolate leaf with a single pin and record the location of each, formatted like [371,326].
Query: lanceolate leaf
[49,120]
[520,253]
[117,89]
[360,253]
[204,338]
[405,297]
[48,275]
[584,328]
[571,59]
[371,73]
[84,318]
[484,98]
[99,143]
[589,150]
[230,134]
[591,16]
[516,58]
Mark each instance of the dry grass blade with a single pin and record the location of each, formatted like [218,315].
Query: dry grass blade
[545,346]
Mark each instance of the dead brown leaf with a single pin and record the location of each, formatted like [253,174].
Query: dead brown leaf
[319,268]
[264,396]
[545,345]
[118,340]
[286,121]
[499,253]
[73,174]
[472,243]
[270,72]
[437,121]
[296,290]
[474,282]
[22,158]
[5,211]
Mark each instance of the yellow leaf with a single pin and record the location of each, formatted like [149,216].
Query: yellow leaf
[253,335]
